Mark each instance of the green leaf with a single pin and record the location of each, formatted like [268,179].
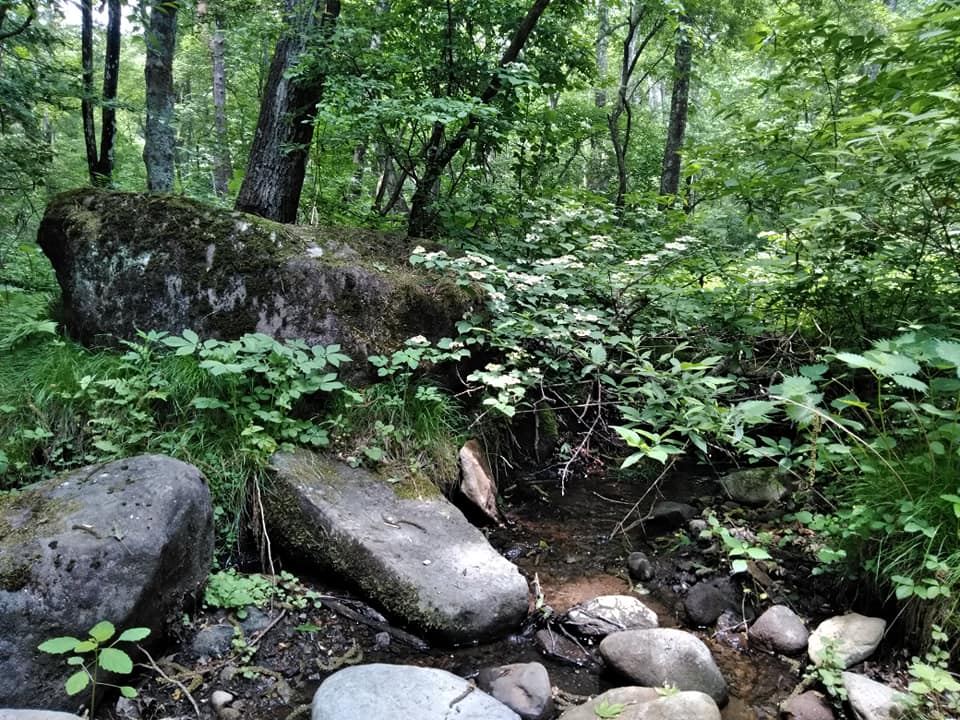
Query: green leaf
[598,354]
[75,660]
[308,627]
[102,631]
[58,645]
[135,634]
[608,710]
[738,566]
[127,691]
[114,660]
[77,682]
[910,383]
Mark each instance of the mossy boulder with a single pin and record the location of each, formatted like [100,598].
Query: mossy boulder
[129,262]
[125,541]
[418,558]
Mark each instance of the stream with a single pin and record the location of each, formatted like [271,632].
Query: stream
[570,542]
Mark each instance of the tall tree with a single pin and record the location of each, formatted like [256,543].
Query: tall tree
[642,27]
[160,137]
[679,102]
[100,166]
[278,158]
[439,151]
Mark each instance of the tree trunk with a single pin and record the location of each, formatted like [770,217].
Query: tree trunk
[438,153]
[222,165]
[102,171]
[160,137]
[633,49]
[677,127]
[278,158]
[87,100]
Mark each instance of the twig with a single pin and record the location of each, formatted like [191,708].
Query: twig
[183,688]
[265,548]
[636,506]
[401,635]
[259,635]
[612,500]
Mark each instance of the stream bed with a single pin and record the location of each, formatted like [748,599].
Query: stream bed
[568,541]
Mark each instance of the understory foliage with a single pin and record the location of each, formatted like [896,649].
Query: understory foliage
[798,311]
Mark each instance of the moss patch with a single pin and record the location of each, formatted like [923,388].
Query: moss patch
[25,516]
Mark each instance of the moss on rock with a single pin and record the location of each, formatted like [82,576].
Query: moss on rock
[129,262]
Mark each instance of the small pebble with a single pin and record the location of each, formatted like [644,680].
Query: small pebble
[427,562]
[382,640]
[220,698]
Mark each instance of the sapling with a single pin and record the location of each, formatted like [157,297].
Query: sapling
[92,654]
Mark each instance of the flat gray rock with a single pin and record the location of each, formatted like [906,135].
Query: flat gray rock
[780,629]
[664,656]
[754,486]
[418,558]
[644,703]
[610,613]
[125,541]
[852,637]
[35,715]
[810,705]
[523,687]
[403,692]
[871,700]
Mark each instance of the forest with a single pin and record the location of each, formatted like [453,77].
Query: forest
[704,234]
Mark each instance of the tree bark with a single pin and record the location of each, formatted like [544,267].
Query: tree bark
[222,164]
[632,51]
[278,158]
[101,173]
[438,154]
[87,100]
[160,137]
[677,127]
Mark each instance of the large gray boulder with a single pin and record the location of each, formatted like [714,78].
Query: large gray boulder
[35,715]
[664,656]
[871,700]
[418,557]
[845,639]
[403,692]
[781,630]
[129,261]
[125,541]
[644,703]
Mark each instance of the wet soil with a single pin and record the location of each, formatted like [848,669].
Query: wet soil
[569,539]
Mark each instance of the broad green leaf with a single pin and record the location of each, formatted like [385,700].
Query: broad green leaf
[738,566]
[77,682]
[854,360]
[59,645]
[135,634]
[598,354]
[115,660]
[909,383]
[632,460]
[127,691]
[102,631]
[757,553]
